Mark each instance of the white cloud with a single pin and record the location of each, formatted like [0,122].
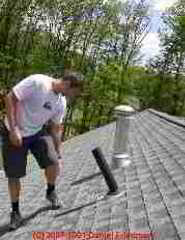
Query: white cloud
[161,5]
[151,42]
[150,46]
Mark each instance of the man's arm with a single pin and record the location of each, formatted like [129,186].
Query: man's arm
[56,133]
[57,126]
[10,105]
[19,92]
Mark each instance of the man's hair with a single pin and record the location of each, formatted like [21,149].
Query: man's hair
[75,78]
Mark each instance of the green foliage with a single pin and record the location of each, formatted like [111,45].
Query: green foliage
[101,39]
[168,66]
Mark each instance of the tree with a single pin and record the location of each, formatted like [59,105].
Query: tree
[170,63]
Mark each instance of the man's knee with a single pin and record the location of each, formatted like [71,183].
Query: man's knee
[53,166]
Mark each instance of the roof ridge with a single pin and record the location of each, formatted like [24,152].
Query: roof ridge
[167,117]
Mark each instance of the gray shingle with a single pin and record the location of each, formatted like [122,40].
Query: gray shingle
[153,185]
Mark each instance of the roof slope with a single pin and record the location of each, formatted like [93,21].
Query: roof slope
[153,185]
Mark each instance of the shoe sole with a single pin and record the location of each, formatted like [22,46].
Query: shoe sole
[13,228]
[54,206]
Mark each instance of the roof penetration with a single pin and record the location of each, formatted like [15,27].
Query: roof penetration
[153,185]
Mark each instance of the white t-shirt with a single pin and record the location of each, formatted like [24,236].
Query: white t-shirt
[37,104]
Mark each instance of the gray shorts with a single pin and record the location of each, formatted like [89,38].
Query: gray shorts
[15,158]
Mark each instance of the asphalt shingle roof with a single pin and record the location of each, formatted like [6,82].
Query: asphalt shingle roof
[153,185]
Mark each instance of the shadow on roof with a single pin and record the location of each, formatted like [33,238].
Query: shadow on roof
[75,209]
[5,228]
[86,179]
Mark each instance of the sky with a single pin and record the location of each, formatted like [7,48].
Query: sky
[151,42]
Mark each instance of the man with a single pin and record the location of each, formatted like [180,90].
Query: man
[30,104]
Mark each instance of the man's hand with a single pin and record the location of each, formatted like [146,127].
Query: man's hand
[15,137]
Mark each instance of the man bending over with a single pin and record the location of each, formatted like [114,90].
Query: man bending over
[30,104]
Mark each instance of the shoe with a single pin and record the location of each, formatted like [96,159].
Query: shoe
[53,199]
[15,220]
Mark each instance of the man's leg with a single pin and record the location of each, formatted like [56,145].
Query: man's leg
[14,163]
[14,187]
[51,175]
[15,168]
[44,151]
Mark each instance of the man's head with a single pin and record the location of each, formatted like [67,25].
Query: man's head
[71,85]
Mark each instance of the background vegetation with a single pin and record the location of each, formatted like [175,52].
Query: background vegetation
[102,40]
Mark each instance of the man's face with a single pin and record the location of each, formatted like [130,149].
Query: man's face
[68,91]
[65,87]
[73,92]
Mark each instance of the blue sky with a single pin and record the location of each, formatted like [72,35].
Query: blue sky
[151,42]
